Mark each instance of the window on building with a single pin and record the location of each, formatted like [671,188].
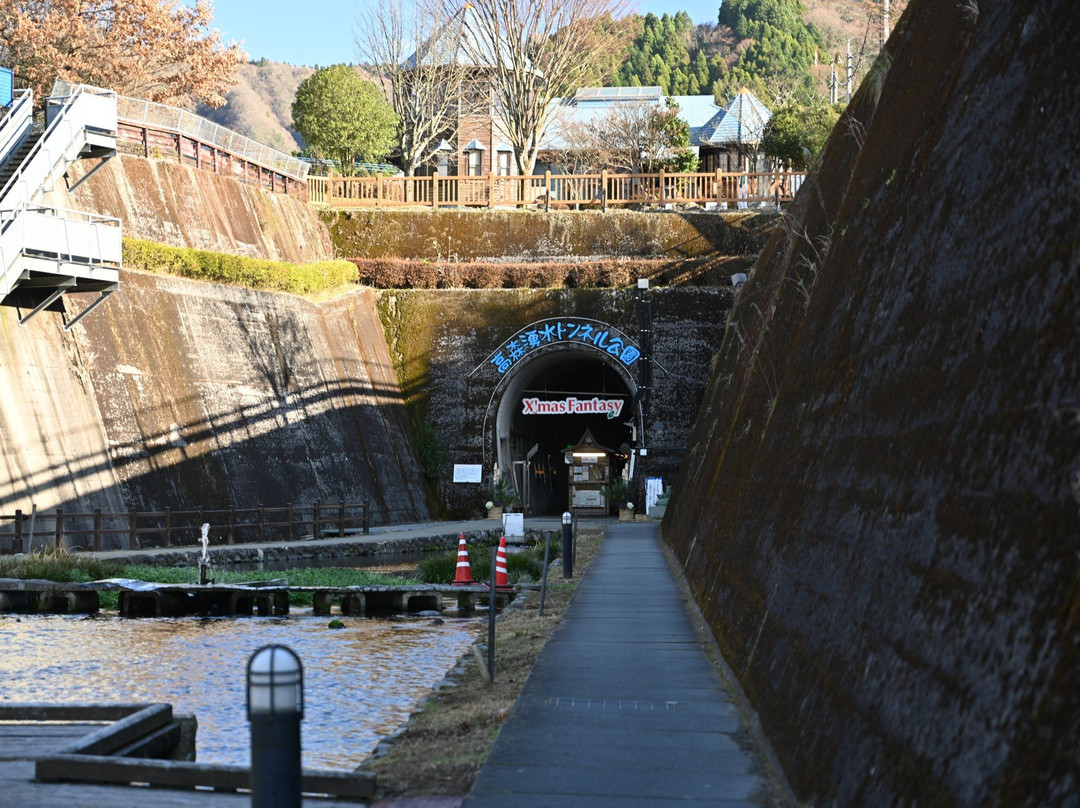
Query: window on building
[504,163]
[476,163]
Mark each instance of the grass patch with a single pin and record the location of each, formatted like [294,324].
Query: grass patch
[59,565]
[526,564]
[56,565]
[448,738]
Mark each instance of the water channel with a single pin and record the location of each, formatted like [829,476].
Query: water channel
[361,682]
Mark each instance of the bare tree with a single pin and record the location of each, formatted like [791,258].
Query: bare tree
[537,52]
[413,53]
[633,137]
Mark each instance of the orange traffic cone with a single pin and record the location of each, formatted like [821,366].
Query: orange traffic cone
[463,576]
[502,580]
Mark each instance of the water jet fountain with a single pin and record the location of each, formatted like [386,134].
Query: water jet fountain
[204,559]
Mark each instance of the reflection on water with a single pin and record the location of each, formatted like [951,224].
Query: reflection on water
[360,682]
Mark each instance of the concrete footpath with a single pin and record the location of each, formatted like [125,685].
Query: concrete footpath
[625,707]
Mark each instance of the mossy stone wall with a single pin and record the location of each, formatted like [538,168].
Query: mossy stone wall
[467,235]
[438,338]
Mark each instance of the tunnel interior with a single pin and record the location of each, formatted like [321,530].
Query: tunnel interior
[542,481]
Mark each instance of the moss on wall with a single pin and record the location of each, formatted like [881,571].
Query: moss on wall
[469,235]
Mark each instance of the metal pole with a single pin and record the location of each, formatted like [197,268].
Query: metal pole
[567,545]
[491,619]
[543,575]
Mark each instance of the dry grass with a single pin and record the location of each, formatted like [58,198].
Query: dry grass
[447,740]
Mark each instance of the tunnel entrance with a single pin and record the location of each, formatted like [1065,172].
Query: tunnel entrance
[546,408]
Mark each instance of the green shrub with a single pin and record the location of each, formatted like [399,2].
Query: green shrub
[56,565]
[236,270]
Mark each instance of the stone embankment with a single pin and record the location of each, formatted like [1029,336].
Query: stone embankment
[303,551]
[879,510]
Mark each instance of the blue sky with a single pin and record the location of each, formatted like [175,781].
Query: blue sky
[321,31]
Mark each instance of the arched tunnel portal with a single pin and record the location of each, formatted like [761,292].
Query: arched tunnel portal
[545,404]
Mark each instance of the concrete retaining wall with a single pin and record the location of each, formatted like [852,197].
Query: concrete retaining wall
[198,395]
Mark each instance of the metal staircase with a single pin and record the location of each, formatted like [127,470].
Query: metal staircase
[46,252]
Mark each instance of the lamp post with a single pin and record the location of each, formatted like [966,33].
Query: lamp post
[275,706]
[567,545]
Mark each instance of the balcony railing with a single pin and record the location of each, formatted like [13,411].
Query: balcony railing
[549,190]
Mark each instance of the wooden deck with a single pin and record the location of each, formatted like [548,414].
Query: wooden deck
[54,755]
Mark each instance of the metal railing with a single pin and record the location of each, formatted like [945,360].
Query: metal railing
[17,124]
[134,530]
[71,118]
[161,116]
[558,190]
[73,237]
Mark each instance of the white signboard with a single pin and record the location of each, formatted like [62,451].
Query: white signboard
[513,525]
[468,473]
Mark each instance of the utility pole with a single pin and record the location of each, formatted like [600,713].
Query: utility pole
[847,84]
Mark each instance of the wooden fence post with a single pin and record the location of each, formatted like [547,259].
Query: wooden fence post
[367,517]
[341,520]
[97,529]
[603,190]
[315,526]
[663,191]
[491,189]
[230,533]
[168,526]
[378,190]
[288,521]
[547,191]
[719,187]
[434,190]
[59,528]
[262,522]
[133,533]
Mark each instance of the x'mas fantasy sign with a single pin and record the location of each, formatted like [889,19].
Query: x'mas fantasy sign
[611,407]
[590,333]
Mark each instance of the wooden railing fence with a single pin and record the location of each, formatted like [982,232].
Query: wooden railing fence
[558,190]
[178,528]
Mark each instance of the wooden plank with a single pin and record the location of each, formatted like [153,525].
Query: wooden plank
[158,743]
[34,711]
[182,774]
[37,740]
[123,732]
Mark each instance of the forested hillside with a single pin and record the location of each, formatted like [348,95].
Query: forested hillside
[768,46]
[259,105]
[780,49]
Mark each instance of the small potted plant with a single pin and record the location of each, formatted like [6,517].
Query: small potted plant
[501,499]
[615,493]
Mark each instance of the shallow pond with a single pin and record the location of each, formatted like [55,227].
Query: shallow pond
[360,682]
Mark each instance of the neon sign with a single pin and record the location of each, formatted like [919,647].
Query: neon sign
[548,332]
[611,407]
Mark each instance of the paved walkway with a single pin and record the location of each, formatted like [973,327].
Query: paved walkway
[378,535]
[624,707]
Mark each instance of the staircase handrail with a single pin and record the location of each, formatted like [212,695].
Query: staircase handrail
[74,116]
[17,123]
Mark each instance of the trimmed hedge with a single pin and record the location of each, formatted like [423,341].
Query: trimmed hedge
[398,273]
[236,270]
